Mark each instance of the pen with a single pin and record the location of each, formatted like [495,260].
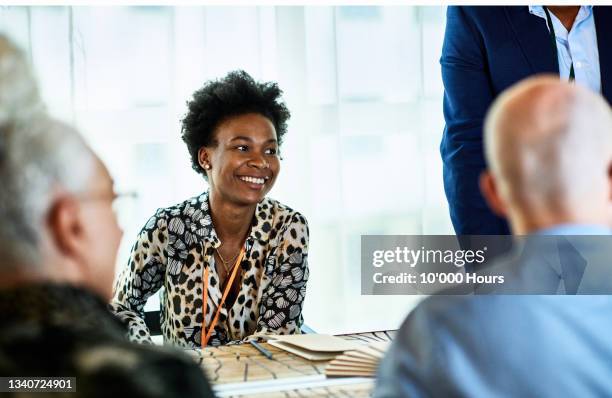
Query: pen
[259,348]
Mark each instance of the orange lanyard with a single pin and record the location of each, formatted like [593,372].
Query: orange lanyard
[206,336]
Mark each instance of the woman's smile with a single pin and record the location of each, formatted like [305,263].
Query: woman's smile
[253,182]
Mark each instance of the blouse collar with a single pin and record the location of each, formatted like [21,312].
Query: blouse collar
[200,221]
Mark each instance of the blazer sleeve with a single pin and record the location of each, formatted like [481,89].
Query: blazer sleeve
[468,93]
[280,310]
[142,277]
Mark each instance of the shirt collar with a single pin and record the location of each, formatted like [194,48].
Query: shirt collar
[537,10]
[575,229]
[584,13]
[201,221]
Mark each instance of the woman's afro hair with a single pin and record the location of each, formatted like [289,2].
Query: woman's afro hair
[234,95]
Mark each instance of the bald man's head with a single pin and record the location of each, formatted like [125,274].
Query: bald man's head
[548,144]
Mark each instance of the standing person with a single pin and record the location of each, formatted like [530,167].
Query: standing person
[549,148]
[233,262]
[486,50]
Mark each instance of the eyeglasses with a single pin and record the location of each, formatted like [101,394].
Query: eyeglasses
[115,197]
[120,201]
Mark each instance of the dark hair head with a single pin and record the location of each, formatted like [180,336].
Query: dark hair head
[234,95]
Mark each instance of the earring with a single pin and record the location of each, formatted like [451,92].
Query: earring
[207,166]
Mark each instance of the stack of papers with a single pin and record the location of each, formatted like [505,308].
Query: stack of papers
[362,361]
[314,347]
[348,357]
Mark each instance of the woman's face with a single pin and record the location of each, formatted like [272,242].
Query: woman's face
[244,163]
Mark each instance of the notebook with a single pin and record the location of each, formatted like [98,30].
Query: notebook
[362,361]
[314,347]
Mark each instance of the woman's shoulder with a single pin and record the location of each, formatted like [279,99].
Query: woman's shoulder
[194,206]
[279,212]
[185,212]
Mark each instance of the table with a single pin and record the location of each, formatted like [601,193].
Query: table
[242,371]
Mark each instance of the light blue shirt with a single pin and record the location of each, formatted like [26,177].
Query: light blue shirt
[578,45]
[501,346]
[571,230]
[507,345]
[575,230]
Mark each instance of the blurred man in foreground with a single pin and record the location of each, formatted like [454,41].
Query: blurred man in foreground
[58,241]
[549,147]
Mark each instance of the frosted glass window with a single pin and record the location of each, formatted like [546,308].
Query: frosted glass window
[49,32]
[233,40]
[126,56]
[361,155]
[320,54]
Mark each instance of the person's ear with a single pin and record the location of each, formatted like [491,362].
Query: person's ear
[204,158]
[489,190]
[66,227]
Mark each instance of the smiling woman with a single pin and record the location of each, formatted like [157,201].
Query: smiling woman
[233,263]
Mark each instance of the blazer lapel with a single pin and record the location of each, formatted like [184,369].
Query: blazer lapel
[603,19]
[533,38]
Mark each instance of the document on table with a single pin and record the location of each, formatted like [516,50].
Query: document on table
[363,361]
[314,347]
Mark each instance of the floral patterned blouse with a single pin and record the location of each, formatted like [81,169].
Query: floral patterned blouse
[178,243]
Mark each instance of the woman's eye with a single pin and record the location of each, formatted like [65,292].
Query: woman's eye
[242,148]
[271,151]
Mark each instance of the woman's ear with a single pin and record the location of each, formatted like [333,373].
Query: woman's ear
[204,158]
[489,190]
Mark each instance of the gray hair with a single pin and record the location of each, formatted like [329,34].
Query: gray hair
[19,95]
[38,155]
[36,160]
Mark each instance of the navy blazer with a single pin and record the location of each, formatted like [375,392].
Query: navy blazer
[486,50]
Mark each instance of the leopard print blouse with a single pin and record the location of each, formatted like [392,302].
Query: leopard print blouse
[178,243]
